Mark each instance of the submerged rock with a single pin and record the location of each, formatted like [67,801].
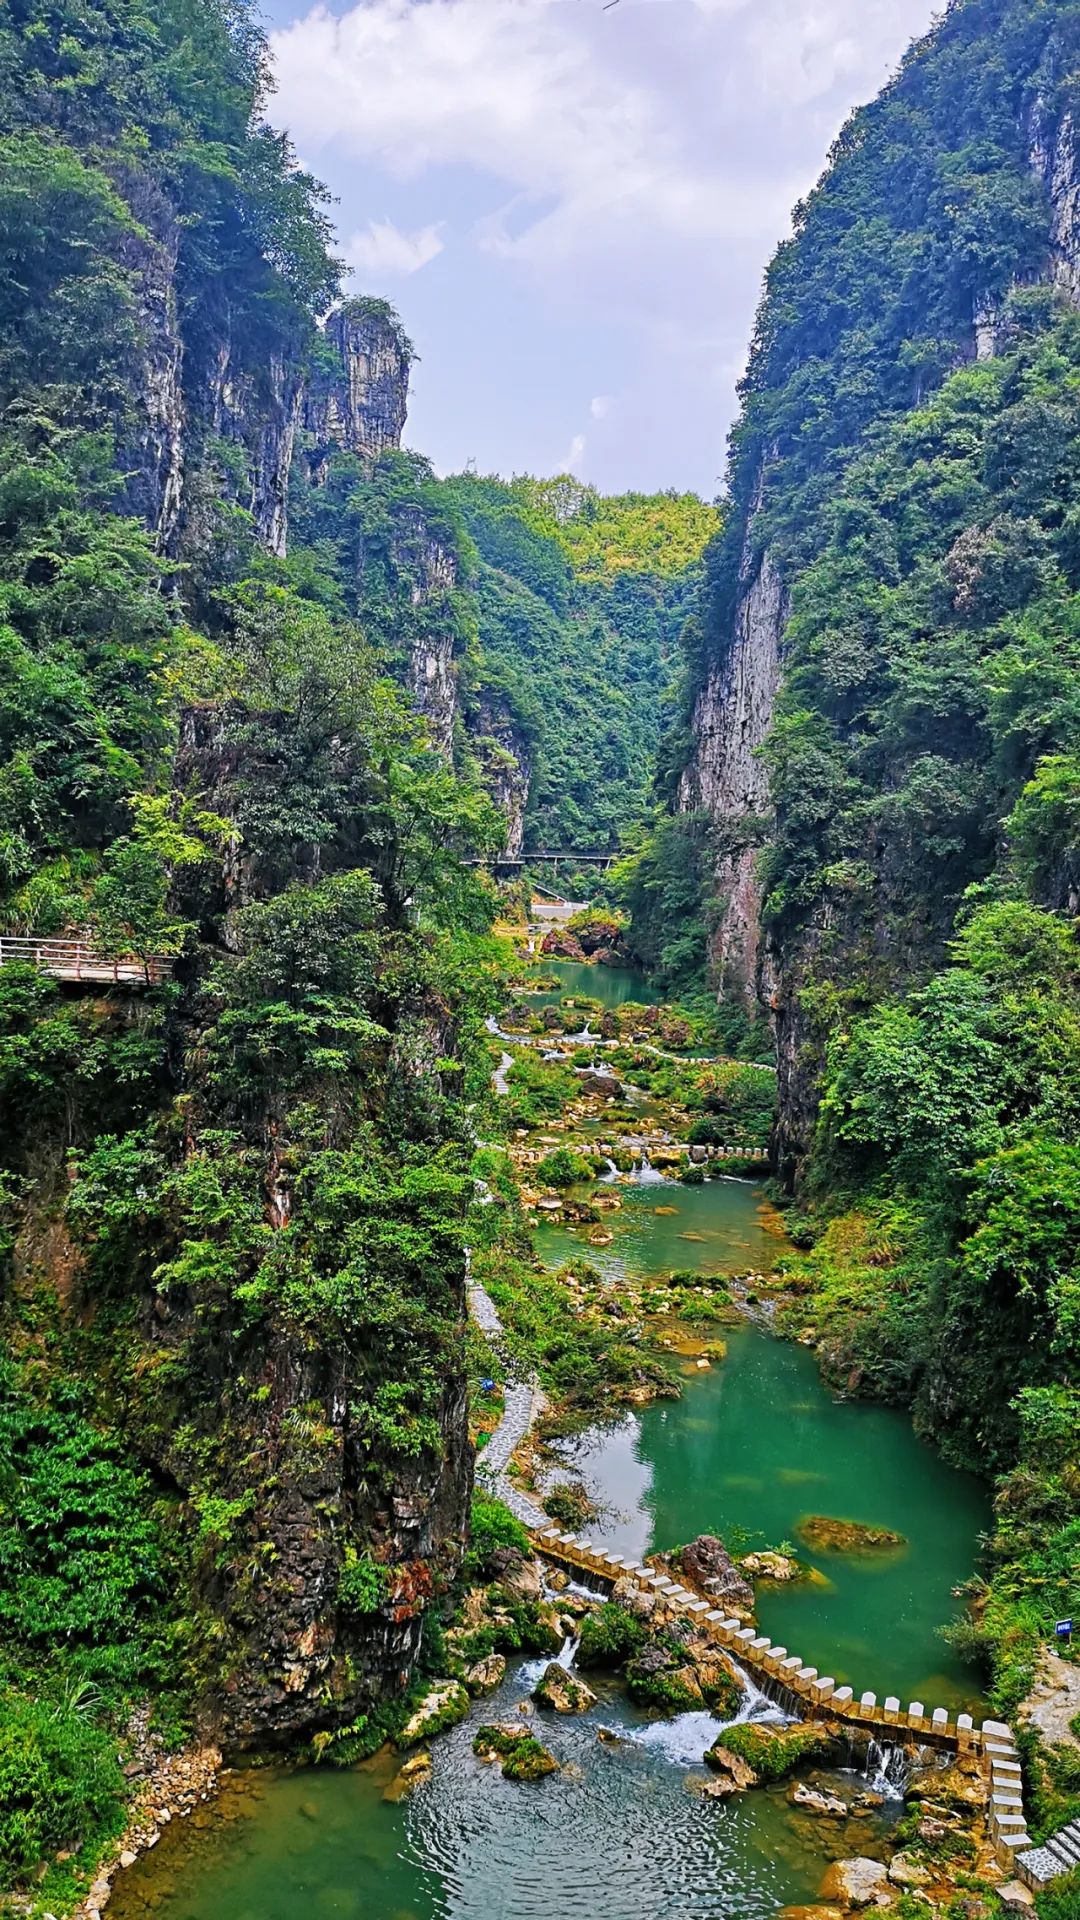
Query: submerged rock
[415,1769]
[563,1691]
[814,1800]
[847,1536]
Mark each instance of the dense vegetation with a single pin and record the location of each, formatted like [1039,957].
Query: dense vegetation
[927,788]
[234,1206]
[581,601]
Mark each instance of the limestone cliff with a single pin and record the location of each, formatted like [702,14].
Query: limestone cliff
[506,756]
[356,396]
[822,373]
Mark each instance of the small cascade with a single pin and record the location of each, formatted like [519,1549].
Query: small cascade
[888,1769]
[757,1705]
[644,1174]
[568,1651]
[611,1172]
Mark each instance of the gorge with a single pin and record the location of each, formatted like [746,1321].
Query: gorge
[760,1144]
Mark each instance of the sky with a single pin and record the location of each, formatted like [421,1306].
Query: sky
[572,206]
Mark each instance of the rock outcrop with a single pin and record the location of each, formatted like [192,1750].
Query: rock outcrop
[356,396]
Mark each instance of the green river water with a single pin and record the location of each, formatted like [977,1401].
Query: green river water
[620,1832]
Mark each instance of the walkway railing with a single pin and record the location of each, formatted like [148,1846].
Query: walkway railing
[77,960]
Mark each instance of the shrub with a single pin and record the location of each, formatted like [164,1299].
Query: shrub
[564,1168]
[609,1636]
[362,1585]
[491,1526]
[60,1784]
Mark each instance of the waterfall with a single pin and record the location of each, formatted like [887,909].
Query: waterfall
[611,1174]
[567,1652]
[645,1174]
[888,1769]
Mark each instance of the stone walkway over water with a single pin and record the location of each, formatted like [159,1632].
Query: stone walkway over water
[815,1697]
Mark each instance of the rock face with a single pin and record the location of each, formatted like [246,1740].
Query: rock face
[725,777]
[356,397]
[505,757]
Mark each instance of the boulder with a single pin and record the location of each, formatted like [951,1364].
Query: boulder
[487,1674]
[563,1692]
[734,1775]
[904,1872]
[518,1575]
[961,1785]
[770,1566]
[854,1883]
[707,1563]
[605,1084]
[522,1756]
[1016,1899]
[563,945]
[634,1599]
[443,1706]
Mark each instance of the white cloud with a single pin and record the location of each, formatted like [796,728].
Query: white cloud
[600,405]
[385,250]
[574,460]
[628,170]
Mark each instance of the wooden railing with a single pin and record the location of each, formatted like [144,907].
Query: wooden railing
[73,959]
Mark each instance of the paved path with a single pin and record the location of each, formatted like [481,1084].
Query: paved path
[521,1405]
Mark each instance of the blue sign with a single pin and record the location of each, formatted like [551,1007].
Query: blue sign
[1063,1629]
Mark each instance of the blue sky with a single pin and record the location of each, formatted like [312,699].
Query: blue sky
[572,207]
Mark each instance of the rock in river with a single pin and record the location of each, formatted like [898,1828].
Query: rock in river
[563,1691]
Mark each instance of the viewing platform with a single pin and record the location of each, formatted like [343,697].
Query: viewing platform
[76,961]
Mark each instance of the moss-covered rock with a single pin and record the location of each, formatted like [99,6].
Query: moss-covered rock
[847,1536]
[443,1706]
[522,1755]
[773,1752]
[562,1691]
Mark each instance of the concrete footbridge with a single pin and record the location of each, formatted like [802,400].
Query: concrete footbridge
[814,1696]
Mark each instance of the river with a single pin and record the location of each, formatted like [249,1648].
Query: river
[622,1832]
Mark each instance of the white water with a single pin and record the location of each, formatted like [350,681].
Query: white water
[644,1173]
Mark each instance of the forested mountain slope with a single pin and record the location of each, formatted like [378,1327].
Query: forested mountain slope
[234,1457]
[876,766]
[581,602]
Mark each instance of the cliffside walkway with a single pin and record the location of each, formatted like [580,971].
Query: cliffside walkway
[75,960]
[815,1697]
